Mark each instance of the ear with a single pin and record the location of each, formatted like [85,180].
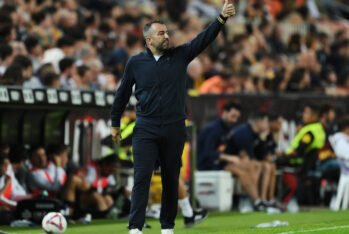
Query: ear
[148,40]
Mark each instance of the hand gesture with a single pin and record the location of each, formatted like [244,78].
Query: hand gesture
[228,9]
[116,134]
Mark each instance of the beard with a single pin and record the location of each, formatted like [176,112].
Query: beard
[163,46]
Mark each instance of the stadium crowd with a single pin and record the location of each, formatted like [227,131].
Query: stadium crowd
[271,46]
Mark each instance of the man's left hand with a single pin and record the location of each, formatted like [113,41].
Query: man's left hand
[228,9]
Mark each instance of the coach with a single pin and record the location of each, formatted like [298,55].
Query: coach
[158,74]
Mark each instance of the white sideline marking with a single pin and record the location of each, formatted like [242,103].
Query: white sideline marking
[317,229]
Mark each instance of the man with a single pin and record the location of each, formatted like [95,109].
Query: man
[44,174]
[213,138]
[302,155]
[242,142]
[160,130]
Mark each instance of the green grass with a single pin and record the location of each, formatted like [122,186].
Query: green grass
[322,221]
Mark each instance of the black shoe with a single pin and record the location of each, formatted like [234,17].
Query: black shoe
[198,217]
[259,206]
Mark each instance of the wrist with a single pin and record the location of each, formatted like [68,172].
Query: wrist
[221,18]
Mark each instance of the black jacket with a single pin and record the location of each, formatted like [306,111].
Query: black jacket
[160,85]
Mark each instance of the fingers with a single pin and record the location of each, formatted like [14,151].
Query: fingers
[116,138]
[116,135]
[226,2]
[230,10]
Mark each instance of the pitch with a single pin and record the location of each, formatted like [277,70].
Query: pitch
[320,221]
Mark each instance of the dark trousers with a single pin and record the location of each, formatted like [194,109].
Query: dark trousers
[152,143]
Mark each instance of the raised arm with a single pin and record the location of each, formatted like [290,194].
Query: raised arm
[203,39]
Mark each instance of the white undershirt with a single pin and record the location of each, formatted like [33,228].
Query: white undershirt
[157,57]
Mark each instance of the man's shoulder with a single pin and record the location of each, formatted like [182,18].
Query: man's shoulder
[241,130]
[213,126]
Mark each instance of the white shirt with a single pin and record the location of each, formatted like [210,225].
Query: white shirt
[340,145]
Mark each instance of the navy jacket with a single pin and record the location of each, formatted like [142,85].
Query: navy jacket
[160,85]
[211,138]
[242,139]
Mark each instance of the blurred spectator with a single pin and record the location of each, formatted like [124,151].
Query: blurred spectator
[300,81]
[13,75]
[35,51]
[30,81]
[64,47]
[67,71]
[218,84]
[51,80]
[6,56]
[305,34]
[84,78]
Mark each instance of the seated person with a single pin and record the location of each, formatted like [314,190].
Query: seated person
[301,157]
[242,142]
[18,155]
[100,176]
[44,174]
[266,151]
[340,143]
[12,191]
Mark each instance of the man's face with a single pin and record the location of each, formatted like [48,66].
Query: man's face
[232,116]
[308,115]
[39,159]
[4,166]
[275,125]
[263,125]
[158,37]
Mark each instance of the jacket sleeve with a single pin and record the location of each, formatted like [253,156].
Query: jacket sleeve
[203,39]
[122,95]
[207,151]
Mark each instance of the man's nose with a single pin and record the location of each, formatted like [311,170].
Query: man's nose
[167,36]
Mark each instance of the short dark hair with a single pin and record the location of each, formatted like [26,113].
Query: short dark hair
[148,25]
[65,41]
[33,149]
[23,60]
[18,153]
[31,42]
[315,109]
[274,116]
[5,51]
[5,31]
[13,75]
[55,149]
[258,115]
[40,16]
[65,63]
[49,78]
[82,70]
[231,105]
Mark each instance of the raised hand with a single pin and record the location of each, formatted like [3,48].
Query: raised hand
[228,9]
